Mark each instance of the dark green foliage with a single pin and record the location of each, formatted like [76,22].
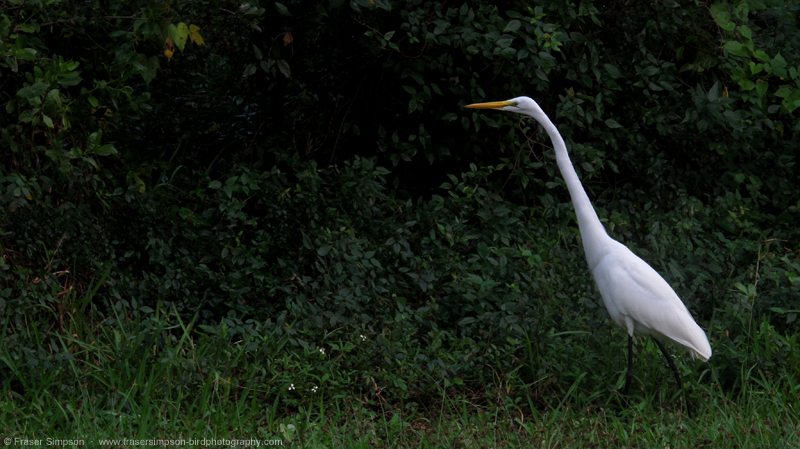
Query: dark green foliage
[308,176]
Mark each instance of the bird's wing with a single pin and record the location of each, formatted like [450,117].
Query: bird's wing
[637,292]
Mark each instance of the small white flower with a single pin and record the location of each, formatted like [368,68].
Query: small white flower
[363,337]
[291,386]
[314,389]
[322,350]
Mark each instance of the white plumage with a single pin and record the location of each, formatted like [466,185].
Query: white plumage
[635,295]
[641,301]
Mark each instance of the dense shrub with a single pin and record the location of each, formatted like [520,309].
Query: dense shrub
[307,176]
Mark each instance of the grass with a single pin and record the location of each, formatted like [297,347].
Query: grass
[154,376]
[754,418]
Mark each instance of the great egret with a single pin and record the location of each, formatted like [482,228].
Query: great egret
[635,295]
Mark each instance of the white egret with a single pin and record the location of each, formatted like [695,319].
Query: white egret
[635,295]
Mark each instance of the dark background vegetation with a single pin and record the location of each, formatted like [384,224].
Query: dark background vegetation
[308,179]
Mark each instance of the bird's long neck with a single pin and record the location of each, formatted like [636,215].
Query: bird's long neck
[591,228]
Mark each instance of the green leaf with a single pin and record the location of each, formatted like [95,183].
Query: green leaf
[53,99]
[253,11]
[508,52]
[512,26]
[283,66]
[742,9]
[53,154]
[323,251]
[412,105]
[383,4]
[760,54]
[612,70]
[721,15]
[745,31]
[70,79]
[783,91]
[611,123]
[792,102]
[483,250]
[27,54]
[34,90]
[26,116]
[91,162]
[735,48]
[713,93]
[761,87]
[755,68]
[179,35]
[47,121]
[215,184]
[149,67]
[105,150]
[578,38]
[779,66]
[283,9]
[747,85]
[541,75]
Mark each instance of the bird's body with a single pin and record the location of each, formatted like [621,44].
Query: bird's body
[635,295]
[641,302]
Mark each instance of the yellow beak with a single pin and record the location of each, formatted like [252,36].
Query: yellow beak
[490,105]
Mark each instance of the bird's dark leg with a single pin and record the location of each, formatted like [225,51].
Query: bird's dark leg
[629,375]
[677,376]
